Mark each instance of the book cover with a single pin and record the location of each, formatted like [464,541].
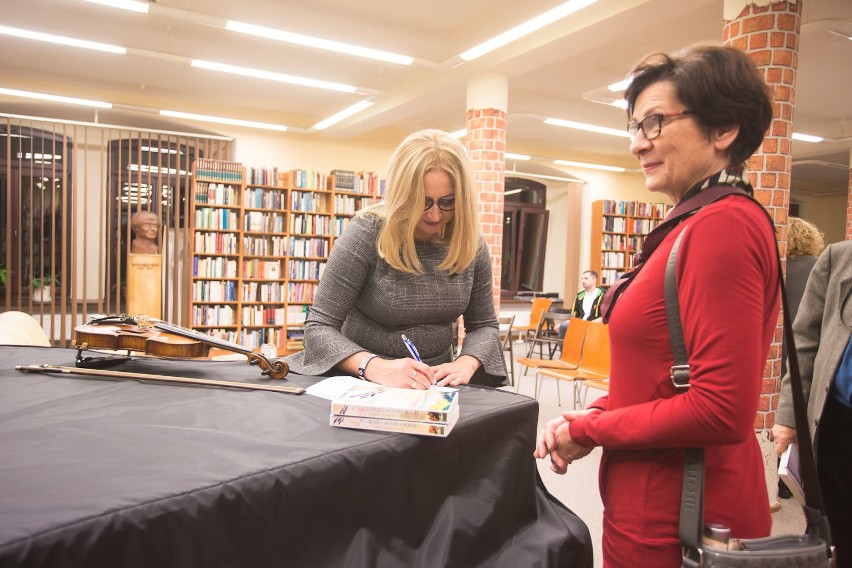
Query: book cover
[417,427]
[790,471]
[376,401]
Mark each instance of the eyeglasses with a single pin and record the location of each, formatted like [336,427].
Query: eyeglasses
[652,125]
[444,203]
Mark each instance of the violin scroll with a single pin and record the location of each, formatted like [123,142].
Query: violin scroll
[273,369]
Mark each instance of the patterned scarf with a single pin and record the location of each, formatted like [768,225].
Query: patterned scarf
[717,186]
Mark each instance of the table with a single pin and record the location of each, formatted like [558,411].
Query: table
[125,473]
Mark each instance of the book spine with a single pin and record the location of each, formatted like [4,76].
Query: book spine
[389,413]
[386,425]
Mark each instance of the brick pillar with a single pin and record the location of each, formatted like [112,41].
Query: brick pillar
[770,35]
[486,141]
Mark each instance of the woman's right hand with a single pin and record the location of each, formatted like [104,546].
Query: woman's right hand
[400,373]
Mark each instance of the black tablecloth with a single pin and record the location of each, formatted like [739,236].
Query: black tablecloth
[125,473]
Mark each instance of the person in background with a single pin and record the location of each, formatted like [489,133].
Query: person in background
[587,304]
[804,243]
[694,119]
[823,334]
[146,228]
[410,265]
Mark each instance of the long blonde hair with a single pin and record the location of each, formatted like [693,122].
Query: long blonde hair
[405,196]
[803,238]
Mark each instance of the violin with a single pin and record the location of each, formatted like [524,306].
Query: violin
[162,339]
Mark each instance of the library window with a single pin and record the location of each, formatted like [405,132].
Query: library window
[35,208]
[525,219]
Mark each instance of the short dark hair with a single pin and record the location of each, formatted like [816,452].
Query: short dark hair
[592,272]
[720,85]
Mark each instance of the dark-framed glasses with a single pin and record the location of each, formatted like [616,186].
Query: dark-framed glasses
[444,203]
[652,125]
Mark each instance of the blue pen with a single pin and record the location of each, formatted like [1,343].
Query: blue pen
[411,348]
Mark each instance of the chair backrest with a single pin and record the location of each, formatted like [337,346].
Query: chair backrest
[572,344]
[506,323]
[19,328]
[548,323]
[596,348]
[539,306]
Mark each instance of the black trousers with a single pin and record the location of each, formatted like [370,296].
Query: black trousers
[834,467]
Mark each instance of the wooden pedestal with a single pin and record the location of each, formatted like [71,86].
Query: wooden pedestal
[145,284]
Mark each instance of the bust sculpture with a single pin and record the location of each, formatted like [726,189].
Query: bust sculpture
[146,227]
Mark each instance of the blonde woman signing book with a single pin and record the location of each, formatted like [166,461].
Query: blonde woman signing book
[410,265]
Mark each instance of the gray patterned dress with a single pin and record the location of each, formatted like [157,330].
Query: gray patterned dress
[362,303]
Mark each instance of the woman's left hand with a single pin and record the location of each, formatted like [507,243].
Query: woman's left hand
[458,372]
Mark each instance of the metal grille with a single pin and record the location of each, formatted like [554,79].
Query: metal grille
[67,192]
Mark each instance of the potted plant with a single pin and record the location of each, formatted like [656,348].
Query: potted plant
[3,275]
[42,287]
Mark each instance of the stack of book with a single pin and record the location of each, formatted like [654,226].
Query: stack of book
[369,406]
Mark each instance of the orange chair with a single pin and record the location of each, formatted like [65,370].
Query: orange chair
[594,363]
[539,306]
[569,359]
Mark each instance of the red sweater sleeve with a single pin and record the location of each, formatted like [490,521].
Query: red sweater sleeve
[727,286]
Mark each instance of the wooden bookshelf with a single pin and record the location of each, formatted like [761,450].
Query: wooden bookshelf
[261,240]
[618,230]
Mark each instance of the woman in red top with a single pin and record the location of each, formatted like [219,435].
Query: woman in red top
[694,120]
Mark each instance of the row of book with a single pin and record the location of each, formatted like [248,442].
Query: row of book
[218,170]
[367,183]
[215,243]
[257,198]
[309,224]
[214,291]
[260,316]
[305,269]
[213,267]
[215,194]
[635,208]
[264,269]
[252,338]
[307,179]
[264,246]
[613,259]
[349,205]
[212,316]
[609,275]
[262,176]
[307,201]
[264,222]
[642,226]
[309,246]
[297,315]
[219,219]
[267,292]
[301,292]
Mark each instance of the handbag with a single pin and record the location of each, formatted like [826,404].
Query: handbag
[810,550]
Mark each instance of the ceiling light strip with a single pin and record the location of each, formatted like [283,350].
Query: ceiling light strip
[132,5]
[61,40]
[589,166]
[587,127]
[318,43]
[272,76]
[54,98]
[345,113]
[806,137]
[526,28]
[223,120]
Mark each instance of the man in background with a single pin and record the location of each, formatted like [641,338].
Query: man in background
[587,304]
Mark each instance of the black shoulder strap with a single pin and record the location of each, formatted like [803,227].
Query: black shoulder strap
[692,496]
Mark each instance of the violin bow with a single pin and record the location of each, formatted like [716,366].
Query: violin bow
[106,374]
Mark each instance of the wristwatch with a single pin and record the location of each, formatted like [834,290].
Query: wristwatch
[363,366]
